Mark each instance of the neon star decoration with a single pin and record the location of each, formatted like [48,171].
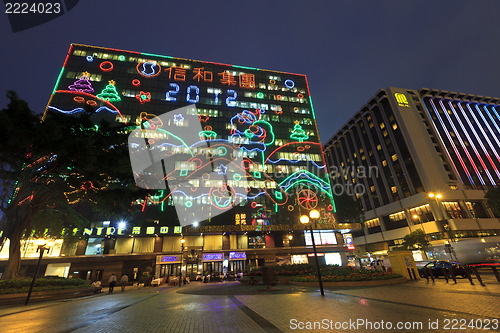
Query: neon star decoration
[178,120]
[143,97]
[221,169]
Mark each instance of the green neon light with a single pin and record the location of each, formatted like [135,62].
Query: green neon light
[207,135]
[257,174]
[121,58]
[156,55]
[278,195]
[276,208]
[176,137]
[244,67]
[222,151]
[58,79]
[261,96]
[309,182]
[237,176]
[184,172]
[312,107]
[188,204]
[322,182]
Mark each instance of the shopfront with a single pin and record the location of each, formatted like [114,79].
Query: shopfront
[168,265]
[213,262]
[237,262]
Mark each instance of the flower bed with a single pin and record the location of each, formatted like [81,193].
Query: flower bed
[23,285]
[334,273]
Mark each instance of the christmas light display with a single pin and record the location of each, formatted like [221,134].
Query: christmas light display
[264,117]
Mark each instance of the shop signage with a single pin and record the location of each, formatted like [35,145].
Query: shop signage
[213,256]
[168,258]
[348,241]
[237,255]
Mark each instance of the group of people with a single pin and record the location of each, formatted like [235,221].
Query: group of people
[112,283]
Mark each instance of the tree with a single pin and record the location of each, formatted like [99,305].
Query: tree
[298,133]
[83,84]
[415,239]
[348,209]
[493,200]
[109,93]
[41,162]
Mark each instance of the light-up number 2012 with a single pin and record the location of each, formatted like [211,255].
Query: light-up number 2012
[193,95]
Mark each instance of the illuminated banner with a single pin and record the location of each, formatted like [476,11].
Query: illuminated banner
[348,241]
[213,256]
[237,255]
[169,258]
[401,100]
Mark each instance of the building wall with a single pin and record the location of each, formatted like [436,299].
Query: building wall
[416,148]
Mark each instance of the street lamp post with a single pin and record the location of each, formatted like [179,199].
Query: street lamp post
[304,219]
[42,246]
[182,260]
[290,237]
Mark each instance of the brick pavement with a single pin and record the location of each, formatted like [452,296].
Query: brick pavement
[230,307]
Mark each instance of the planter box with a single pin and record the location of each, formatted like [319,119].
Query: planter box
[369,283]
[46,295]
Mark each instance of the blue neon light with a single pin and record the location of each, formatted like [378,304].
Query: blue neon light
[197,92]
[289,84]
[230,101]
[169,94]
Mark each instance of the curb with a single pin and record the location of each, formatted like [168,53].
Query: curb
[369,283]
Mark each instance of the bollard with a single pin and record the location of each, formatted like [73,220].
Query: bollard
[494,269]
[467,271]
[409,273]
[429,271]
[477,275]
[414,274]
[445,274]
[452,273]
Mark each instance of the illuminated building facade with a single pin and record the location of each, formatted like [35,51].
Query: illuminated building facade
[420,159]
[263,118]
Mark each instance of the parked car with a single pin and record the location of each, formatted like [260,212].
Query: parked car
[437,268]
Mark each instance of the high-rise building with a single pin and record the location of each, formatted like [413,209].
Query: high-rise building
[257,132]
[419,159]
[235,189]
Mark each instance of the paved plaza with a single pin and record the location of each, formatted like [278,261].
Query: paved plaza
[232,307]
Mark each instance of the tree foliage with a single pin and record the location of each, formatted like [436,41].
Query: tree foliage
[348,210]
[415,239]
[61,173]
[493,200]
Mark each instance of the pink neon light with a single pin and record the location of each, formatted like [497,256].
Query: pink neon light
[462,143]
[464,167]
[480,143]
[482,131]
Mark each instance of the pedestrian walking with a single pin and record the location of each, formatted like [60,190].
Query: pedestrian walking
[124,281]
[112,283]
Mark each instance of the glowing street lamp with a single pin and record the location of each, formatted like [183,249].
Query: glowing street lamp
[304,219]
[42,246]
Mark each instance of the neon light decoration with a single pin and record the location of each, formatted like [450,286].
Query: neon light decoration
[106,66]
[89,58]
[143,97]
[276,170]
[298,133]
[82,84]
[109,93]
[148,68]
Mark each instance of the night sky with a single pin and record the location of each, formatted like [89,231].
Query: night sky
[348,50]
